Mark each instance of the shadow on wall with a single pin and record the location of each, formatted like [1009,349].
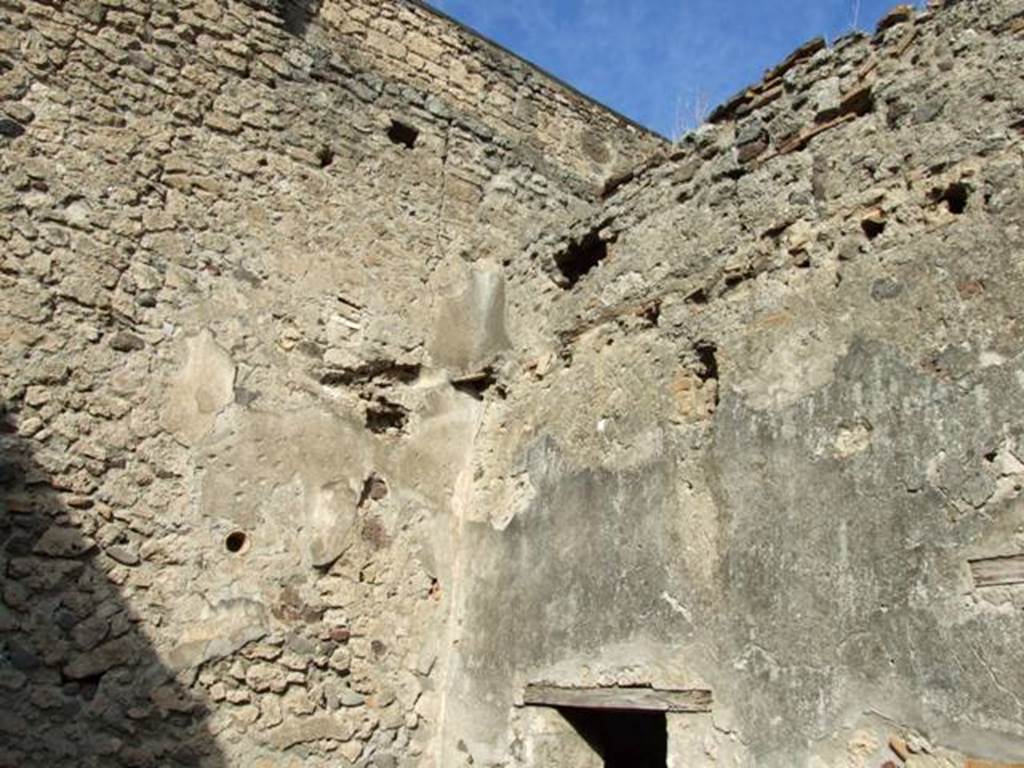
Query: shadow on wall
[80,684]
[297,15]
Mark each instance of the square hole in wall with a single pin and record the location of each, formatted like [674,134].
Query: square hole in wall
[403,134]
[622,739]
[626,727]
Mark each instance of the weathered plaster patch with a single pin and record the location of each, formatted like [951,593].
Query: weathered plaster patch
[297,476]
[470,326]
[781,365]
[200,389]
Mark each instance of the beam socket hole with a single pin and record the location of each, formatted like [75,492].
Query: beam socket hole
[237,542]
[403,134]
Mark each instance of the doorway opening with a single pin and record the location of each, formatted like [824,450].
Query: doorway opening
[625,726]
[622,738]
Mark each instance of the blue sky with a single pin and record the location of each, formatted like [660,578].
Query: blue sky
[655,60]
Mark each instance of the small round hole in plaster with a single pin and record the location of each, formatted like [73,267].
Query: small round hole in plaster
[236,542]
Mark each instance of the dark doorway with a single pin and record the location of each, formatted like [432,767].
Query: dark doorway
[623,738]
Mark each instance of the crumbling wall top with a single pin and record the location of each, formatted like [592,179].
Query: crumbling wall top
[414,43]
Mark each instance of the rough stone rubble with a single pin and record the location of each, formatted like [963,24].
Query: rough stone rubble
[356,375]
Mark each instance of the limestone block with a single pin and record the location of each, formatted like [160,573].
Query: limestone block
[310,729]
[59,541]
[262,677]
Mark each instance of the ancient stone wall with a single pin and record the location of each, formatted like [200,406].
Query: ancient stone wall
[776,453]
[252,296]
[410,42]
[338,408]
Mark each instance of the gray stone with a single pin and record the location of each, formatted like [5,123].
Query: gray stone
[126,555]
[123,341]
[59,541]
[119,652]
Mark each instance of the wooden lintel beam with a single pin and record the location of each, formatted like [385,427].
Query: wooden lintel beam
[998,571]
[643,699]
